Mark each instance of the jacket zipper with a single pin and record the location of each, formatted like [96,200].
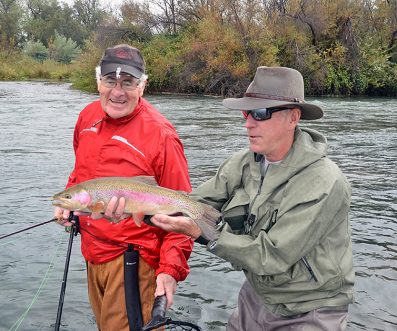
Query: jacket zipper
[249,222]
[309,268]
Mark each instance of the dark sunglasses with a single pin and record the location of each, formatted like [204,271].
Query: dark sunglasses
[261,114]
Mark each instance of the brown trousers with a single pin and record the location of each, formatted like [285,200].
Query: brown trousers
[106,293]
[252,315]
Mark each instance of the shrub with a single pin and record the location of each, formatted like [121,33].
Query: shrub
[36,50]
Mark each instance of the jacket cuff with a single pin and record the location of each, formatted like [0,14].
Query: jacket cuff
[178,275]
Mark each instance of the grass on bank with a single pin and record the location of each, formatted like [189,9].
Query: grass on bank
[17,66]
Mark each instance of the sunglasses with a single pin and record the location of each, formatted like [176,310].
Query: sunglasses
[262,114]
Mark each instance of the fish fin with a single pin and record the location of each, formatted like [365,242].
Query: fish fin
[207,221]
[138,218]
[97,207]
[148,180]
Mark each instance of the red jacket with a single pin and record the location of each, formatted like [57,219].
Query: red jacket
[142,143]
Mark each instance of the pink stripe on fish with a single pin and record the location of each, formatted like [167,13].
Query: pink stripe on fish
[147,197]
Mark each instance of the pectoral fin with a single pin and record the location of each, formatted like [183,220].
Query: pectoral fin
[97,207]
[138,218]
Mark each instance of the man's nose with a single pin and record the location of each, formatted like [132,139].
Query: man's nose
[249,121]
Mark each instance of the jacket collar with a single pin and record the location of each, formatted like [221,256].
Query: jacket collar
[117,121]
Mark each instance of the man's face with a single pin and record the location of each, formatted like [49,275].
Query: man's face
[273,137]
[119,97]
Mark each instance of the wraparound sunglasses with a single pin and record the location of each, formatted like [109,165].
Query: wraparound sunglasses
[262,114]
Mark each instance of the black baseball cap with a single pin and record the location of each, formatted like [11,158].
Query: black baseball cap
[129,59]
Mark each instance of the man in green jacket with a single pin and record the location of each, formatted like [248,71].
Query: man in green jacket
[285,214]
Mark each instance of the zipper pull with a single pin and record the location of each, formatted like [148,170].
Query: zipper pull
[248,223]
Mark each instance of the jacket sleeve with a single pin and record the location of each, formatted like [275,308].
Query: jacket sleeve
[172,171]
[303,222]
[217,190]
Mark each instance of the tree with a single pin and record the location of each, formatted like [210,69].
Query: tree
[89,13]
[10,23]
[42,20]
[63,49]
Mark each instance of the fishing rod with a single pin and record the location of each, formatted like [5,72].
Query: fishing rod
[73,232]
[159,319]
[28,228]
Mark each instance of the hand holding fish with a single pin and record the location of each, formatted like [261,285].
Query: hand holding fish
[62,216]
[114,211]
[179,224]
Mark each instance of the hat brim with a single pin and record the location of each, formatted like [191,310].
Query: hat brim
[108,68]
[308,111]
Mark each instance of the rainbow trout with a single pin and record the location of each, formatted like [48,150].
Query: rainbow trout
[143,197]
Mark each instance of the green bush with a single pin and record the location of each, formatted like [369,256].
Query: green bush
[36,50]
[83,77]
[63,49]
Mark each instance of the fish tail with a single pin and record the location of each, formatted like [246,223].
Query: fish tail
[207,221]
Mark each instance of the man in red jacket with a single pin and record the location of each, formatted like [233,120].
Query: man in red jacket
[121,134]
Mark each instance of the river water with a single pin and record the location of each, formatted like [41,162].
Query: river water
[36,126]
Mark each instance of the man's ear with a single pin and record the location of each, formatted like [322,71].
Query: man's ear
[295,115]
[141,87]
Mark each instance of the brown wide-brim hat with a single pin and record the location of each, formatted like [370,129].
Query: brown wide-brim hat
[276,87]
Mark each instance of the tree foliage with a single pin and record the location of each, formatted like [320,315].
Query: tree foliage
[214,46]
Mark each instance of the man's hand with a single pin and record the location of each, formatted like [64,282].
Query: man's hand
[179,224]
[166,284]
[62,216]
[114,211]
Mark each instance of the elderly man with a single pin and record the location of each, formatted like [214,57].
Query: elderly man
[285,211]
[122,134]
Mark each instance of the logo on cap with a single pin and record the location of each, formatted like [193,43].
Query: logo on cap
[123,54]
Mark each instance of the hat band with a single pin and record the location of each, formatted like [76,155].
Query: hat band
[272,97]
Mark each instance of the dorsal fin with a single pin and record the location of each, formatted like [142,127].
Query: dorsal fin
[148,180]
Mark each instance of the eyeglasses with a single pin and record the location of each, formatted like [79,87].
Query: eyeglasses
[127,84]
[261,114]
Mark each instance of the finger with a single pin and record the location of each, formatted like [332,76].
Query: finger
[62,217]
[159,290]
[111,207]
[119,212]
[170,299]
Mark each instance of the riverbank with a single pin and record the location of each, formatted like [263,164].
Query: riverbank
[15,66]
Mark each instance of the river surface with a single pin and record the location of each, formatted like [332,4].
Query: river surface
[36,156]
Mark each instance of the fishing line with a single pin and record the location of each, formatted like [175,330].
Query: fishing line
[19,321]
[54,220]
[28,228]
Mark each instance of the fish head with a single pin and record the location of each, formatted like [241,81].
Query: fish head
[74,198]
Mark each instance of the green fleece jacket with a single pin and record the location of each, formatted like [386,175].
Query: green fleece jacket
[289,231]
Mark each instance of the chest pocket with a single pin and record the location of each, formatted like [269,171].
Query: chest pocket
[267,221]
[235,210]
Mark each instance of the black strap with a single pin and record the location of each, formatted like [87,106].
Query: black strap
[131,287]
[201,240]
